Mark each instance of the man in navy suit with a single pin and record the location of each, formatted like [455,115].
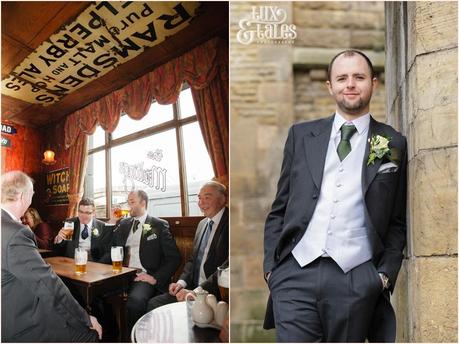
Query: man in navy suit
[89,233]
[150,248]
[335,235]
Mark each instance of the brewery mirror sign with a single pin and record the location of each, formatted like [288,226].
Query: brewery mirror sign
[154,177]
[104,36]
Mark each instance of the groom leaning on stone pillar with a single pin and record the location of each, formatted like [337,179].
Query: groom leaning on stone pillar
[335,234]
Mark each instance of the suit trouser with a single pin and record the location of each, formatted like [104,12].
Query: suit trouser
[160,300]
[136,306]
[320,303]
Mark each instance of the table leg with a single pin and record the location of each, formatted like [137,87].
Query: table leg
[119,308]
[123,323]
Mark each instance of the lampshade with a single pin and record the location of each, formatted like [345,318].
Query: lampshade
[49,157]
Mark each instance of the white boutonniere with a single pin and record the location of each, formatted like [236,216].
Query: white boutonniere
[95,232]
[146,228]
[379,148]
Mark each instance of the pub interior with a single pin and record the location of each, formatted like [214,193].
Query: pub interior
[117,110]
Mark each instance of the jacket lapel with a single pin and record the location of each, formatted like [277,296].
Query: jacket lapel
[76,233]
[369,172]
[126,232]
[316,146]
[218,231]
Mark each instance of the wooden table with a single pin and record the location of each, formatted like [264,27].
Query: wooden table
[99,280]
[45,253]
[171,324]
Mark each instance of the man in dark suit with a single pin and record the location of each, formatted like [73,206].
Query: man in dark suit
[335,235]
[36,305]
[210,248]
[95,237]
[149,247]
[89,233]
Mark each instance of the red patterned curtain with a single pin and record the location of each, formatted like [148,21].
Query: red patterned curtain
[78,161]
[211,105]
[204,68]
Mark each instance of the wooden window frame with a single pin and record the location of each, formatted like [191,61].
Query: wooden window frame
[175,123]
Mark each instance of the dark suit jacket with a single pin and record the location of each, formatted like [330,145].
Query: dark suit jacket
[158,251]
[298,191]
[36,305]
[217,256]
[100,244]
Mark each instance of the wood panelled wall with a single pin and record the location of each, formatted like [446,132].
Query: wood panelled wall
[26,155]
[25,152]
[183,229]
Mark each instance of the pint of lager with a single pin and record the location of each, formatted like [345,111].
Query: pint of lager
[68,230]
[223,283]
[121,212]
[81,259]
[117,258]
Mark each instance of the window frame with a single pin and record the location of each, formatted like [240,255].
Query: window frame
[176,123]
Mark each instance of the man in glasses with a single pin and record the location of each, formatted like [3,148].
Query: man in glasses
[89,233]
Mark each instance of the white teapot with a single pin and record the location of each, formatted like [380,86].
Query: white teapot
[201,311]
[220,309]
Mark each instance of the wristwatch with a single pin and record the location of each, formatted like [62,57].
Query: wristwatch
[385,280]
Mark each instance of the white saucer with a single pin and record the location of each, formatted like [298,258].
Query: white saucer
[211,325]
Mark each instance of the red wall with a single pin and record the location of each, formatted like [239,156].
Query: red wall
[26,154]
[55,137]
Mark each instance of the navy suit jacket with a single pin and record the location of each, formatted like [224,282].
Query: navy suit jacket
[298,192]
[100,244]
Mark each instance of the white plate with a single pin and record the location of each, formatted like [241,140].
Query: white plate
[211,325]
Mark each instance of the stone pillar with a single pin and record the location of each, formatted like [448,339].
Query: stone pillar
[421,79]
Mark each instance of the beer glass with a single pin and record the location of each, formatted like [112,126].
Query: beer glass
[119,212]
[117,258]
[223,282]
[81,259]
[68,230]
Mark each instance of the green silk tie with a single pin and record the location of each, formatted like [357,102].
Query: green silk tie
[344,146]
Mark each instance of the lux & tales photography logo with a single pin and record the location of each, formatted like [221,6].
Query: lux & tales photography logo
[267,25]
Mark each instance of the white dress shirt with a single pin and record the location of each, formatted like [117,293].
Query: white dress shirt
[12,216]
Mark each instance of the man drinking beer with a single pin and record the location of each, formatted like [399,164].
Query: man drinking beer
[151,249]
[89,233]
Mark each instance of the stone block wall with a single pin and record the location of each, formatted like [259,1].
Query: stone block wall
[421,74]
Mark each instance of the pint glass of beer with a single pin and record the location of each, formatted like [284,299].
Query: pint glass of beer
[81,258]
[68,230]
[117,258]
[223,282]
[121,212]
